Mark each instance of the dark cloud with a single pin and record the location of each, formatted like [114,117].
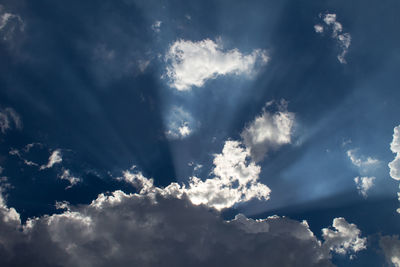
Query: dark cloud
[138,230]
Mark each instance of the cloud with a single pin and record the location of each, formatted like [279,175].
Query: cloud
[362,162]
[9,119]
[152,229]
[156,26]
[66,175]
[364,184]
[391,248]
[394,165]
[236,180]
[193,63]
[9,23]
[268,131]
[54,158]
[180,123]
[343,39]
[345,238]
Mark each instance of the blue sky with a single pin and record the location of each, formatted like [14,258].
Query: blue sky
[132,116]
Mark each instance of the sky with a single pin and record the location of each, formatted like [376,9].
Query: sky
[199,133]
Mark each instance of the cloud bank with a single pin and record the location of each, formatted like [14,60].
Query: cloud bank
[150,228]
[193,63]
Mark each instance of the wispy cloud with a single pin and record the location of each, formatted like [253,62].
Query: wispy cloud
[343,39]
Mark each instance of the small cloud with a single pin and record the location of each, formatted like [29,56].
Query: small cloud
[360,161]
[391,248]
[9,24]
[319,28]
[66,175]
[343,39]
[269,131]
[143,64]
[180,124]
[156,26]
[193,63]
[344,239]
[54,158]
[364,184]
[9,119]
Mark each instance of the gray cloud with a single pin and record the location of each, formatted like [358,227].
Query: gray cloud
[137,230]
[391,248]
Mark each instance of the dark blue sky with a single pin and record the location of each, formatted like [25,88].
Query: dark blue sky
[90,79]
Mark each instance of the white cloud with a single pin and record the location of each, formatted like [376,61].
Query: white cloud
[54,158]
[364,184]
[236,181]
[391,248]
[193,63]
[268,131]
[345,238]
[362,162]
[66,175]
[343,39]
[9,23]
[9,118]
[156,26]
[394,165]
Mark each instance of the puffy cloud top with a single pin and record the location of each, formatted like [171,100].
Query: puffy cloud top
[345,238]
[236,180]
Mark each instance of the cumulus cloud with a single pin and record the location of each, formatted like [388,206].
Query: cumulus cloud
[344,238]
[236,180]
[9,119]
[193,63]
[391,248]
[343,39]
[9,23]
[394,165]
[364,184]
[153,229]
[54,158]
[268,131]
